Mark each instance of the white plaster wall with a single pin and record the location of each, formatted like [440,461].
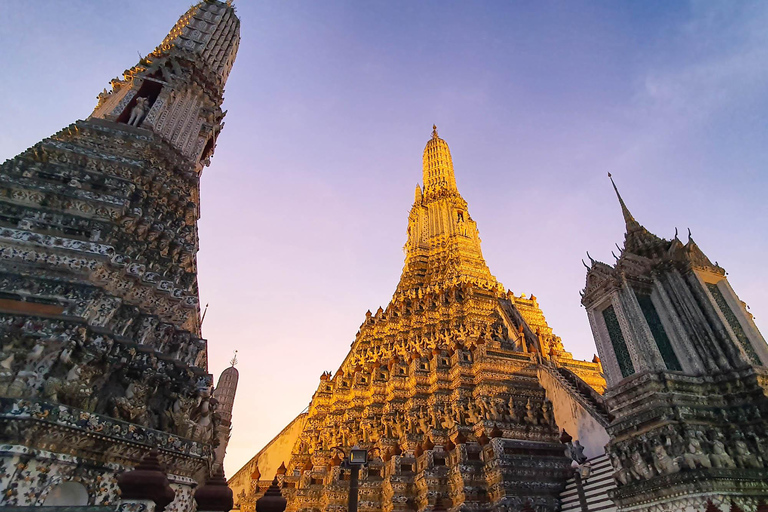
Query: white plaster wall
[276,452]
[575,419]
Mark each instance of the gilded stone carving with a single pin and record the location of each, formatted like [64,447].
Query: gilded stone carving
[441,384]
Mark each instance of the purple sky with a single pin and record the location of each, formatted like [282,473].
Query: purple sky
[330,104]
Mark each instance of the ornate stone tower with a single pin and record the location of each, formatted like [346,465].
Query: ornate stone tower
[442,386]
[687,378]
[225,401]
[101,354]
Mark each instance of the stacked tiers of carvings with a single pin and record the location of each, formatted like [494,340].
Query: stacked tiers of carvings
[98,243]
[700,430]
[441,386]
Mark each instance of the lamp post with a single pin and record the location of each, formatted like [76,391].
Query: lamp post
[358,457]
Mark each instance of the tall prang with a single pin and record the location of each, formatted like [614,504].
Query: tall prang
[225,391]
[687,376]
[457,388]
[102,356]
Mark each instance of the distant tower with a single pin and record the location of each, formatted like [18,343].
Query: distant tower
[101,352]
[225,396]
[687,377]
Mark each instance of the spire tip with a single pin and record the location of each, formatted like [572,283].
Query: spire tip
[434,131]
[629,220]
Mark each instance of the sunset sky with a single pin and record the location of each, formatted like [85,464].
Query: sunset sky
[330,104]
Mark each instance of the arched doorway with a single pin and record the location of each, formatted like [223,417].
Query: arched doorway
[67,494]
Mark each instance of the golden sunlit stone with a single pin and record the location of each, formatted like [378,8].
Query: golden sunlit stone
[453,362]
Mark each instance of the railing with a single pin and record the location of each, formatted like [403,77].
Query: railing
[584,394]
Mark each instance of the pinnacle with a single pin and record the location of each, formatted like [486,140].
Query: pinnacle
[637,239]
[449,317]
[628,218]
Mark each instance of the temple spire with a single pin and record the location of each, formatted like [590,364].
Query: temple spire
[637,239]
[443,245]
[629,220]
[438,166]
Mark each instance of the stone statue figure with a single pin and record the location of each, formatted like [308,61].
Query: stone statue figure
[399,427]
[423,422]
[482,404]
[664,464]
[410,423]
[132,407]
[744,457]
[102,97]
[473,412]
[179,414]
[21,385]
[434,419]
[458,413]
[530,414]
[695,456]
[720,457]
[448,421]
[138,111]
[577,452]
[490,410]
[546,412]
[620,473]
[513,414]
[640,470]
[386,423]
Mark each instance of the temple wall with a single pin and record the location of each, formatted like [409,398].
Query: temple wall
[275,453]
[574,418]
[30,477]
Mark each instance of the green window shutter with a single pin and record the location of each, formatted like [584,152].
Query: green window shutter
[659,334]
[617,340]
[734,323]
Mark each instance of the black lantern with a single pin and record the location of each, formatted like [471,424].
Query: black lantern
[358,456]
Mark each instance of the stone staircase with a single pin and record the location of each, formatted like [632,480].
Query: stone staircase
[594,490]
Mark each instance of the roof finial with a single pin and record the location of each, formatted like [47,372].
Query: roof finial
[204,312]
[629,220]
[233,362]
[434,131]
